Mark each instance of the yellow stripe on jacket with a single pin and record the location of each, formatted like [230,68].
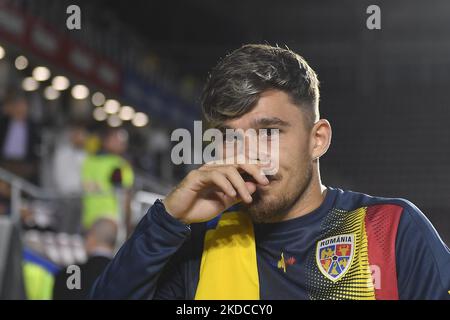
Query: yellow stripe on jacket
[228,267]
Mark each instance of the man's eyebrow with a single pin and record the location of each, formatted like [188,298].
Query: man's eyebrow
[260,123]
[223,128]
[270,121]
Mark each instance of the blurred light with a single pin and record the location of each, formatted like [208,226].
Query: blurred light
[2,52]
[60,83]
[80,92]
[99,114]
[140,119]
[112,106]
[114,120]
[126,113]
[98,99]
[29,84]
[41,73]
[51,93]
[21,63]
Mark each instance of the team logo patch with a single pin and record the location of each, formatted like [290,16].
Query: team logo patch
[285,261]
[334,255]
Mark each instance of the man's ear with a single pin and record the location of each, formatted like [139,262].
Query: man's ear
[320,138]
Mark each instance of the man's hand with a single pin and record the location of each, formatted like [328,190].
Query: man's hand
[209,190]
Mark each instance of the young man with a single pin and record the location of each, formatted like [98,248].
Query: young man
[228,231]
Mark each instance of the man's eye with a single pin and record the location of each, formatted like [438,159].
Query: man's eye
[269,133]
[230,138]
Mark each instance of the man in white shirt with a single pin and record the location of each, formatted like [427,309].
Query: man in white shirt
[67,163]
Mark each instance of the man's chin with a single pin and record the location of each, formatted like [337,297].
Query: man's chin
[264,207]
[261,216]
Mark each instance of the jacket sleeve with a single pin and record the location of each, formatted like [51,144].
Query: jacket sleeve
[135,271]
[423,260]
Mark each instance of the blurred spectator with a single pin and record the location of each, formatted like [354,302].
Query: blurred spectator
[106,176]
[38,275]
[100,242]
[19,138]
[67,163]
[5,198]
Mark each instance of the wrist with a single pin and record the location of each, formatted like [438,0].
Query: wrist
[168,209]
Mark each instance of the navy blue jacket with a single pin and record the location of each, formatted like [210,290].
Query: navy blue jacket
[308,257]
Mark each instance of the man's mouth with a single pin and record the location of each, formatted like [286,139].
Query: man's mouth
[248,178]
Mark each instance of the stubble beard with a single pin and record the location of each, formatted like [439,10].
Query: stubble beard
[272,208]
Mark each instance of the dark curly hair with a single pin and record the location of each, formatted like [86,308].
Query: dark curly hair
[235,84]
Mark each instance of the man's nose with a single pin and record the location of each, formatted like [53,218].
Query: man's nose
[251,148]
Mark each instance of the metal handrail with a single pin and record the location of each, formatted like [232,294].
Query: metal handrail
[147,181]
[18,186]
[21,186]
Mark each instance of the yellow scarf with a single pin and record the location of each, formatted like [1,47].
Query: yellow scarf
[228,267]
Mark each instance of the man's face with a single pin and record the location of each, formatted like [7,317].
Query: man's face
[78,137]
[274,110]
[116,142]
[18,109]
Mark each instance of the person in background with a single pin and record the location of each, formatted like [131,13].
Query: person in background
[107,178]
[100,242]
[19,138]
[38,275]
[5,198]
[67,163]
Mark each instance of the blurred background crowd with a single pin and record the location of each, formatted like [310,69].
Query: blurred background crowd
[85,123]
[86,115]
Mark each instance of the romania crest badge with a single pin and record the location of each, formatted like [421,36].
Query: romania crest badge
[334,255]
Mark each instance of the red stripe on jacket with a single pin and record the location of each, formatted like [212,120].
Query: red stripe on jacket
[381,228]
